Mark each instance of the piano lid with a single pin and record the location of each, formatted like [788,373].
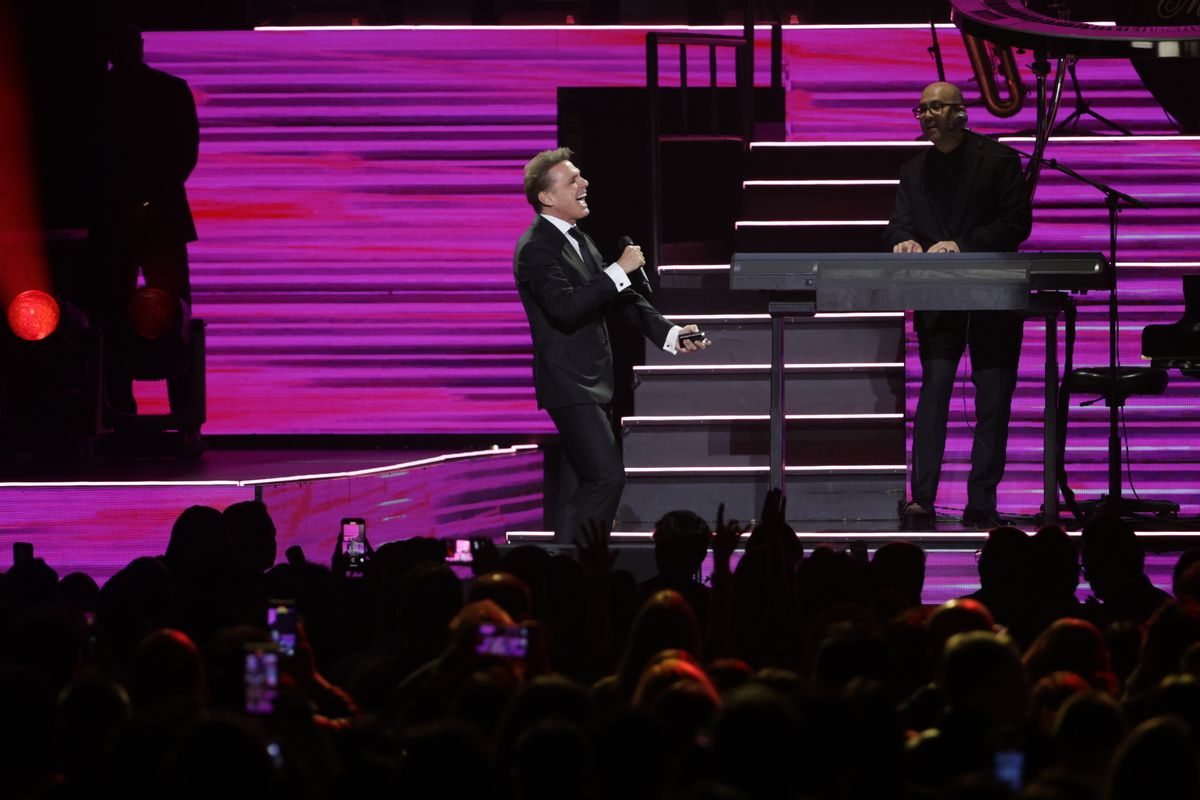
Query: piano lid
[1010,22]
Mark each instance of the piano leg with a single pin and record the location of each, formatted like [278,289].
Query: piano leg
[1050,429]
[778,420]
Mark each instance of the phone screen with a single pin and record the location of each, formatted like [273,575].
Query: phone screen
[503,640]
[354,542]
[458,551]
[1008,768]
[261,679]
[281,621]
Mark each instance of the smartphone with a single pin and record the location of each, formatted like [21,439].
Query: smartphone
[505,641]
[697,337]
[459,551]
[281,621]
[261,677]
[22,551]
[1008,768]
[354,543]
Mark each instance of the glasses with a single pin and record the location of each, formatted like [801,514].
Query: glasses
[936,107]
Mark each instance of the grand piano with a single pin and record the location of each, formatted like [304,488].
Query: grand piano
[1177,345]
[1012,22]
[1039,284]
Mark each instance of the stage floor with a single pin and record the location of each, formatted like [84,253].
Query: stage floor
[97,516]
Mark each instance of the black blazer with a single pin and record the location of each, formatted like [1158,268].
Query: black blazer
[991,211]
[566,306]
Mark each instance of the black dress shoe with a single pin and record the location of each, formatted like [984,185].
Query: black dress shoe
[983,520]
[916,517]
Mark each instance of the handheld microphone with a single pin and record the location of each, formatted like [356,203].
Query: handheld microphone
[624,242]
[958,121]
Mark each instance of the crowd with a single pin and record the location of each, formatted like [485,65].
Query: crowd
[796,675]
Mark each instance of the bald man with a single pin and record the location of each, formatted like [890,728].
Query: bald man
[965,194]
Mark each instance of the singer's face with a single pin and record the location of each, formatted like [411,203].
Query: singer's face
[947,98]
[567,196]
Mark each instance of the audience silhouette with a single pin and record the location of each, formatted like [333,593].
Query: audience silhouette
[784,676]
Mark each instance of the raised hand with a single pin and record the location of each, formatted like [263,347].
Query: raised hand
[725,538]
[594,553]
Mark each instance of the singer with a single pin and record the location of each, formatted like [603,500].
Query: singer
[964,194]
[566,294]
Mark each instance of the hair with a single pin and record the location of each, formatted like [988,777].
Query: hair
[680,543]
[537,173]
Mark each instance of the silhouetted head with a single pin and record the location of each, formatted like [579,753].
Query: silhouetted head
[680,543]
[1159,759]
[125,46]
[666,621]
[1004,560]
[251,535]
[80,591]
[1112,554]
[166,666]
[1087,731]
[1048,695]
[665,669]
[1055,562]
[954,617]
[221,755]
[90,713]
[427,597]
[552,760]
[1073,645]
[508,591]
[900,566]
[199,542]
[981,673]
[755,743]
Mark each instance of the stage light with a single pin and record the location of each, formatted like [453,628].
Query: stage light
[33,315]
[153,313]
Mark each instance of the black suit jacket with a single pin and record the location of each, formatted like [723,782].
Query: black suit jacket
[566,305]
[990,213]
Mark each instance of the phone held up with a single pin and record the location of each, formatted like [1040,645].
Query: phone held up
[460,551]
[505,641]
[354,543]
[281,622]
[261,677]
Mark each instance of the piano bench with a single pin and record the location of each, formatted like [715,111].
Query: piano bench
[1130,381]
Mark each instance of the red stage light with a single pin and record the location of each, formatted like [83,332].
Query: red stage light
[153,313]
[33,315]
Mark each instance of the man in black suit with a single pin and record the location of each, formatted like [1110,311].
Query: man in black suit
[964,194]
[567,293]
[151,143]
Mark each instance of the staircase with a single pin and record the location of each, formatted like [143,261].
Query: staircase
[700,431]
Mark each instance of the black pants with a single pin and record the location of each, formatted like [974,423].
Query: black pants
[994,338]
[592,475]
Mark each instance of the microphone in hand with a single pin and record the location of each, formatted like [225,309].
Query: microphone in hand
[624,242]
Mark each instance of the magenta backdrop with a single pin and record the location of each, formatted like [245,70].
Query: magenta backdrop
[358,195]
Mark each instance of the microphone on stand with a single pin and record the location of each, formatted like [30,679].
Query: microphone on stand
[624,242]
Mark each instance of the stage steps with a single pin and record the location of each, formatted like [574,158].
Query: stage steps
[834,196]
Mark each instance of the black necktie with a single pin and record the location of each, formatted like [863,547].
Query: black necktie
[584,250]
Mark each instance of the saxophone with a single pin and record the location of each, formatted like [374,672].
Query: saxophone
[988,61]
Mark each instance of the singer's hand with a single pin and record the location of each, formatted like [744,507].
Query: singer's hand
[632,259]
[691,346]
[944,247]
[907,246]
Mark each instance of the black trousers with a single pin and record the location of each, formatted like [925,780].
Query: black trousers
[994,338]
[592,475]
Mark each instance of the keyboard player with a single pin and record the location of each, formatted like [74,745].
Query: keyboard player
[964,194]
